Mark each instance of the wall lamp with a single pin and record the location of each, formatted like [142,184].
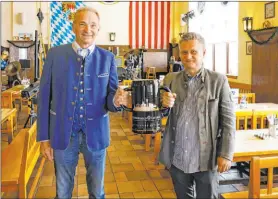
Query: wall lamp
[112,36]
[247,24]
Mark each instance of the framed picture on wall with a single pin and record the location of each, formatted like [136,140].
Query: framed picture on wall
[249,48]
[269,10]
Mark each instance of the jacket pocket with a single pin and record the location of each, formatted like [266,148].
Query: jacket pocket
[52,112]
[103,75]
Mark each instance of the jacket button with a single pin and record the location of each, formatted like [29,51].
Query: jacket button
[70,118]
[77,74]
[78,59]
[73,103]
[172,142]
[75,88]
[174,128]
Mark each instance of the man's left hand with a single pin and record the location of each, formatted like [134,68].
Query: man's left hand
[121,97]
[223,164]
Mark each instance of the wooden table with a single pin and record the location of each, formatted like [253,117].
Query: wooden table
[10,95]
[9,116]
[247,145]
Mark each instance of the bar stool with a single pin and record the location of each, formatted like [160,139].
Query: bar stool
[151,74]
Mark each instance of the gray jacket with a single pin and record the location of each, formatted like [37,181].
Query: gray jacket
[216,118]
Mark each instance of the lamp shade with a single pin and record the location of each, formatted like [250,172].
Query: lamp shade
[247,24]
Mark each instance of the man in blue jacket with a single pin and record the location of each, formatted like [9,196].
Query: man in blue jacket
[77,89]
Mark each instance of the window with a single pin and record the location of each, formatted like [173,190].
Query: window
[218,24]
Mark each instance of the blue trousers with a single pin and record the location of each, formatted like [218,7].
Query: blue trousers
[65,162]
[206,184]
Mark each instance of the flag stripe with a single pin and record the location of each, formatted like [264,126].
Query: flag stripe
[143,23]
[149,24]
[168,24]
[155,24]
[137,24]
[162,26]
[130,24]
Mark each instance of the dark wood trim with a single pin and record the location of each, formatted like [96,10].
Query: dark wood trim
[244,88]
[232,76]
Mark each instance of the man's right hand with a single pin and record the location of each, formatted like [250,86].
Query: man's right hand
[46,150]
[168,99]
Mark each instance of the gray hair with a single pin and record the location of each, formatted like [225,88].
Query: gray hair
[86,9]
[193,36]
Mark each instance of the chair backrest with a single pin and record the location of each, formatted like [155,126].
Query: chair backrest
[127,82]
[250,97]
[31,153]
[244,115]
[257,164]
[262,115]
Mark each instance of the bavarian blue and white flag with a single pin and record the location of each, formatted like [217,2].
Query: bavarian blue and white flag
[61,23]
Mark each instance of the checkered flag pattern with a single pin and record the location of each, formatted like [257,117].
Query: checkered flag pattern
[61,26]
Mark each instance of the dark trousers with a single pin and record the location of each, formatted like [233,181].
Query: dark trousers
[206,183]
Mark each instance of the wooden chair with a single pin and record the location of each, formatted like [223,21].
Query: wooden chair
[244,115]
[262,115]
[255,190]
[251,97]
[151,73]
[18,162]
[127,82]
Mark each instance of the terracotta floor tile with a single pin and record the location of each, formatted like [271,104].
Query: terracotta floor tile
[120,177]
[109,177]
[147,194]
[137,142]
[131,153]
[130,186]
[108,196]
[138,147]
[122,167]
[124,148]
[121,133]
[126,195]
[154,174]
[118,138]
[108,168]
[163,184]
[48,169]
[164,173]
[134,137]
[46,192]
[138,166]
[110,188]
[118,153]
[130,159]
[111,148]
[115,160]
[82,190]
[81,170]
[151,166]
[137,175]
[168,194]
[46,181]
[148,185]
[125,142]
[81,179]
[119,142]
[113,134]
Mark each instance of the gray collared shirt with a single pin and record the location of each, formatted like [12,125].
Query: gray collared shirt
[187,148]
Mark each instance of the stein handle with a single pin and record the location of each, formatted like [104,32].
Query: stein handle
[167,90]
[123,106]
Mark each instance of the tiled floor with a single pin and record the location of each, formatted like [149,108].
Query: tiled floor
[130,170]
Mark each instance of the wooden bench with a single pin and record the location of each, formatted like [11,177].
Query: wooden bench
[255,190]
[18,162]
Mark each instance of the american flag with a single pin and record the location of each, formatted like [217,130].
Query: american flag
[149,24]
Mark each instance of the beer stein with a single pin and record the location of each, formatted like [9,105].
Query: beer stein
[146,107]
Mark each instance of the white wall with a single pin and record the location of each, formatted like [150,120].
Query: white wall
[114,18]
[6,23]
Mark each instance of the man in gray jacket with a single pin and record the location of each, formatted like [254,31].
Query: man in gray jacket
[200,134]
